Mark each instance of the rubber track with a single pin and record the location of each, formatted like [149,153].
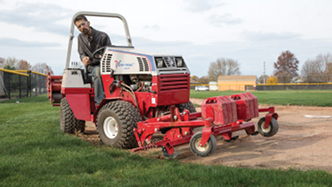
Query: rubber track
[189,106]
[128,115]
[68,122]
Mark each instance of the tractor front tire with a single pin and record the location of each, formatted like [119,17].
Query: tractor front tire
[271,130]
[115,123]
[189,106]
[68,122]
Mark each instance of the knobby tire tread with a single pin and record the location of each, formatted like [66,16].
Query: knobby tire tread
[189,106]
[69,124]
[128,116]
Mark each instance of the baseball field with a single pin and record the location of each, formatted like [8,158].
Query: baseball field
[34,152]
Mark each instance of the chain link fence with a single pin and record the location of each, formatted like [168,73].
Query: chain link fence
[38,84]
[18,84]
[268,87]
[294,86]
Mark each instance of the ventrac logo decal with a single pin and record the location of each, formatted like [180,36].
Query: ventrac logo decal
[125,66]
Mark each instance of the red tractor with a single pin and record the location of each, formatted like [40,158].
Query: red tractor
[148,93]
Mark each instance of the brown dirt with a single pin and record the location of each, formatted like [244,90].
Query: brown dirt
[301,143]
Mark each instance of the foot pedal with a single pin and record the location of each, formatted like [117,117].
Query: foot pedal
[167,156]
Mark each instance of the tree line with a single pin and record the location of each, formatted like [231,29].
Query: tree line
[11,63]
[317,70]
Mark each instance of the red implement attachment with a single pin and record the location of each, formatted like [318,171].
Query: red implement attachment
[247,106]
[220,115]
[53,85]
[221,110]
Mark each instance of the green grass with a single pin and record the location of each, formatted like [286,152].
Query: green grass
[34,152]
[287,97]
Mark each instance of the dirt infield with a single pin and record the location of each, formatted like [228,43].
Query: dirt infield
[301,143]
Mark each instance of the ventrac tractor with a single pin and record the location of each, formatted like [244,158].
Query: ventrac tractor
[148,93]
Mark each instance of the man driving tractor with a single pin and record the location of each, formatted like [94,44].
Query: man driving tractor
[89,40]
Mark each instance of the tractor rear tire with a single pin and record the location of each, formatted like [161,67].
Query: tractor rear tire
[68,122]
[115,123]
[207,149]
[271,130]
[189,106]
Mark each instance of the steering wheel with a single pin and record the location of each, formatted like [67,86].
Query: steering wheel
[96,55]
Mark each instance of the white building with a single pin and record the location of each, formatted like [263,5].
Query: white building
[213,86]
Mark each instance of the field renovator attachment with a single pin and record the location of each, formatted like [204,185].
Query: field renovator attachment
[220,115]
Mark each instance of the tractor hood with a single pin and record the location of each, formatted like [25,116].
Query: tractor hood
[128,60]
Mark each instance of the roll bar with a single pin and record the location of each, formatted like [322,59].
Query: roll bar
[97,14]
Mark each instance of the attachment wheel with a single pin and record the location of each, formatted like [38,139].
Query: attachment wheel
[271,130]
[207,149]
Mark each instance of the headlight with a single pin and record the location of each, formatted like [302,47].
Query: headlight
[160,62]
[179,62]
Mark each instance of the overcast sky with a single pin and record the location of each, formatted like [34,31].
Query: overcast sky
[251,32]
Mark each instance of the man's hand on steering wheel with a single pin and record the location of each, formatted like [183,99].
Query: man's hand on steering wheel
[96,57]
[98,54]
[86,61]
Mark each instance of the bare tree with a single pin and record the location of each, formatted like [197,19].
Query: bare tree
[204,80]
[318,70]
[223,66]
[309,72]
[329,71]
[11,63]
[262,79]
[285,77]
[286,67]
[41,68]
[323,63]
